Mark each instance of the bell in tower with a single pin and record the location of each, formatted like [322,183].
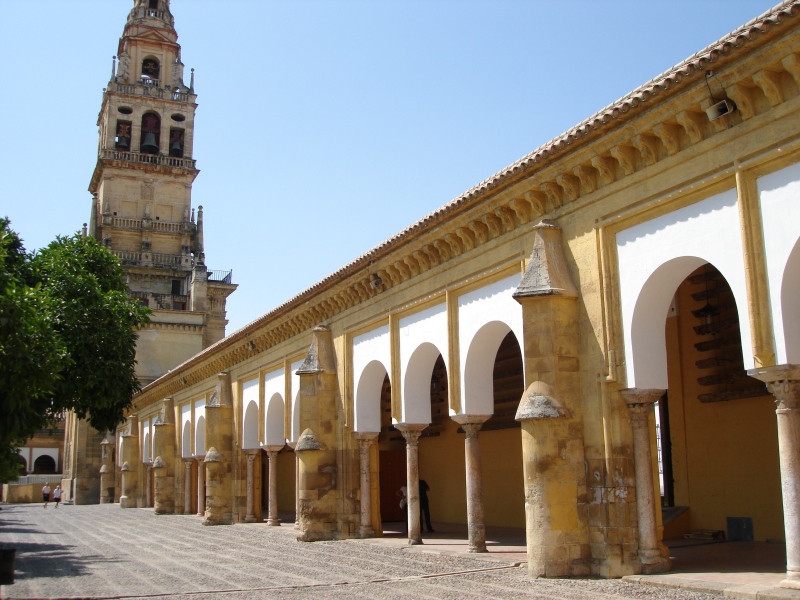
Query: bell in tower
[151,124]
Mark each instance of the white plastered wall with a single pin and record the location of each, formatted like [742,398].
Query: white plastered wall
[371,363]
[186,431]
[423,336]
[146,438]
[274,390]
[655,257]
[779,194]
[485,316]
[295,390]
[200,427]
[250,420]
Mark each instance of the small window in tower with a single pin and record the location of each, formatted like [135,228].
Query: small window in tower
[176,143]
[125,110]
[154,4]
[151,130]
[178,118]
[176,287]
[150,71]
[179,306]
[122,139]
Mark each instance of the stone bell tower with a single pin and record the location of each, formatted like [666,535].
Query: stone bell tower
[142,212]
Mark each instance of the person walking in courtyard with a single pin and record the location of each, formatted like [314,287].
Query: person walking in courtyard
[425,510]
[46,494]
[403,493]
[57,495]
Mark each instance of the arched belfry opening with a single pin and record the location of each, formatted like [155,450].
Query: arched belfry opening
[151,134]
[717,439]
[151,70]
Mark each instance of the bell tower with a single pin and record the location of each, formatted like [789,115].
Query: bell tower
[142,193]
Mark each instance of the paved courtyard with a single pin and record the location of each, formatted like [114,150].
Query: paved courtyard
[103,552]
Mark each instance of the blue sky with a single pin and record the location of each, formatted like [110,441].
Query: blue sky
[324,126]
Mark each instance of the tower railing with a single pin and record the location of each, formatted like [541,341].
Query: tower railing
[221,276]
[144,12]
[150,88]
[153,159]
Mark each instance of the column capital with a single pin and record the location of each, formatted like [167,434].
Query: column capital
[783,382]
[411,432]
[251,455]
[273,447]
[471,423]
[365,440]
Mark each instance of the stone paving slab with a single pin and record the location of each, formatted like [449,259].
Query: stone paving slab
[106,552]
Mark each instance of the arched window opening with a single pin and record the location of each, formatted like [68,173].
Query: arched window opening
[153,4]
[176,143]
[439,395]
[150,71]
[151,131]
[508,384]
[44,465]
[122,140]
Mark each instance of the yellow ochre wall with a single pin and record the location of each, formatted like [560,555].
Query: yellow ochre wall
[441,461]
[725,454]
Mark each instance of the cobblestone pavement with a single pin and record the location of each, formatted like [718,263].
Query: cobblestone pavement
[104,552]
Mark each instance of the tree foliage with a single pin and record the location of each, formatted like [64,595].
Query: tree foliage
[67,336]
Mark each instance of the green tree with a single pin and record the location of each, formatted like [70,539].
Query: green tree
[67,336]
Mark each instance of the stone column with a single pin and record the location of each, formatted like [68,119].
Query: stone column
[472,454]
[106,473]
[365,441]
[783,381]
[293,446]
[187,486]
[129,449]
[219,458]
[201,485]
[250,517]
[272,510]
[411,433]
[640,404]
[164,464]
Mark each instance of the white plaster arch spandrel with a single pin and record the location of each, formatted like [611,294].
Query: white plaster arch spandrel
[39,452]
[485,316]
[779,196]
[200,427]
[250,420]
[371,360]
[186,430]
[274,385]
[295,390]
[275,421]
[423,336]
[653,259]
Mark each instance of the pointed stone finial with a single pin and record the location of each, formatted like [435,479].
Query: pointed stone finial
[113,67]
[321,357]
[199,250]
[125,466]
[191,82]
[212,455]
[547,273]
[85,230]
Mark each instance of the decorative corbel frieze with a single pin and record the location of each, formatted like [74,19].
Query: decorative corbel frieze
[402,268]
[480,231]
[433,256]
[554,195]
[443,248]
[493,225]
[412,265]
[744,97]
[467,238]
[670,136]
[455,242]
[770,84]
[571,186]
[692,123]
[792,64]
[506,216]
[647,147]
[587,177]
[605,168]
[522,210]
[421,260]
[626,158]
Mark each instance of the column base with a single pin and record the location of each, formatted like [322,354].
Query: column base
[366,532]
[274,522]
[478,548]
[415,542]
[652,564]
[250,519]
[792,580]
[126,502]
